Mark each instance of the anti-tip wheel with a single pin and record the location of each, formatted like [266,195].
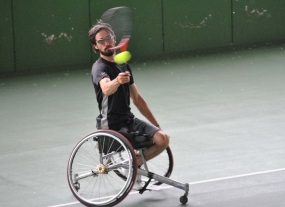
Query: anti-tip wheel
[183,199]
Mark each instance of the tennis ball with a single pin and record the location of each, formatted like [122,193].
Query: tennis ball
[123,57]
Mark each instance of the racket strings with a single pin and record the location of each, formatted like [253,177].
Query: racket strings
[120,20]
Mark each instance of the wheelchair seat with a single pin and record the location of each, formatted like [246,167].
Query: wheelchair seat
[137,139]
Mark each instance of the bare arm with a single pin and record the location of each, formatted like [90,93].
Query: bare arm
[141,104]
[110,87]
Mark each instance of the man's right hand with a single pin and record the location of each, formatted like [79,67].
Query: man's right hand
[124,77]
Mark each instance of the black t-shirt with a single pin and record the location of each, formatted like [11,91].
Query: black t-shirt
[114,109]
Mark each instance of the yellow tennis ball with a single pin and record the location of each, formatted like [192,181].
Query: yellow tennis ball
[123,57]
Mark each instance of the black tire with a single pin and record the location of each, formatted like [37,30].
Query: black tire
[183,199]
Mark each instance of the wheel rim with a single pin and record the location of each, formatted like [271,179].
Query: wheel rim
[100,188]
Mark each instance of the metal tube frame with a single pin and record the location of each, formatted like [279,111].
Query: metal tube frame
[162,179]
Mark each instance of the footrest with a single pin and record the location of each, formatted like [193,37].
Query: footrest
[154,187]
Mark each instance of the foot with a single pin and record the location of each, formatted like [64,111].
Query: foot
[138,182]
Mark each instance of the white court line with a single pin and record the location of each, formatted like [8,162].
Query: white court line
[231,177]
[197,182]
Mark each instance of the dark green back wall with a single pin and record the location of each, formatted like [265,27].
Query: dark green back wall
[39,34]
[191,25]
[258,20]
[6,37]
[50,33]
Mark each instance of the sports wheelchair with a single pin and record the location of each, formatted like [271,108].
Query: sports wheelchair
[94,169]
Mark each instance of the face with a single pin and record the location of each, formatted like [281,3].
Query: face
[104,41]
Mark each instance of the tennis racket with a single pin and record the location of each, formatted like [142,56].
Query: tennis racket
[121,22]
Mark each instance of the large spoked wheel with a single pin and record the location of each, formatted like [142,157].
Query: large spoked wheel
[93,167]
[161,165]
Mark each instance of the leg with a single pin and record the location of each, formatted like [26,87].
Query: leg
[161,143]
[162,165]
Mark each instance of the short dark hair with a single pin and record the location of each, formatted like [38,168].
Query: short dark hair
[97,28]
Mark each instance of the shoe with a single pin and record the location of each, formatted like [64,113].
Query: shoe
[138,183]
[124,171]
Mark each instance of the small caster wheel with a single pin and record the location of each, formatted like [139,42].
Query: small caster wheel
[183,199]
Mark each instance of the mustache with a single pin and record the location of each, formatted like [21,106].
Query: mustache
[108,48]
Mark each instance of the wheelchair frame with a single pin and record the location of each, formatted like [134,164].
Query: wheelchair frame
[108,165]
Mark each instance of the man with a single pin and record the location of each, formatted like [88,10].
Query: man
[114,86]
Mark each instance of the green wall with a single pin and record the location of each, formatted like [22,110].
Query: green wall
[258,20]
[191,25]
[40,34]
[50,33]
[6,37]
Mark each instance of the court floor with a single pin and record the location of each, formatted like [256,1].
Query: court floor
[224,112]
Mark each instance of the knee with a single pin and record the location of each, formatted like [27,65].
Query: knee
[161,139]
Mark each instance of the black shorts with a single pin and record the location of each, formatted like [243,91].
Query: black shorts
[142,126]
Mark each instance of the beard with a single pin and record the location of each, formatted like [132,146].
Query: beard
[107,52]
